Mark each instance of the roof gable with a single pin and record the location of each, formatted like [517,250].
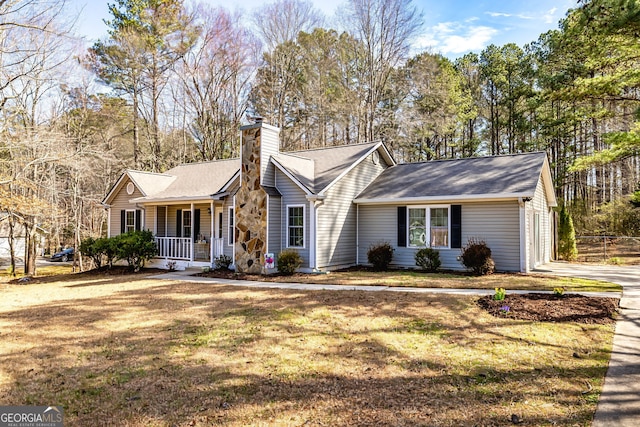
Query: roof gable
[318,169]
[146,182]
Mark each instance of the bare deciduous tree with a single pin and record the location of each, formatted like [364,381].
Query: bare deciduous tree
[281,21]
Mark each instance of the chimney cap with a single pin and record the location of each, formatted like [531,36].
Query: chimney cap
[255,119]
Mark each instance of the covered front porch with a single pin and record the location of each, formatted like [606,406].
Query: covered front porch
[191,232]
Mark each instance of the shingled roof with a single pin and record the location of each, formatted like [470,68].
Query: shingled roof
[498,177]
[195,180]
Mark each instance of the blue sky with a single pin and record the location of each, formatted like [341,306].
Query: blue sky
[451,27]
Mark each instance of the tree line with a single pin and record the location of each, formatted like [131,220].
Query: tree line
[172,81]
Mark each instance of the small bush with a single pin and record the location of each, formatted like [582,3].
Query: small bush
[476,256]
[89,249]
[380,255]
[136,247]
[288,261]
[223,262]
[558,291]
[428,259]
[98,250]
[500,294]
[108,249]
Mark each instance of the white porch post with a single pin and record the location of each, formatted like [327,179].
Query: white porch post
[191,232]
[212,234]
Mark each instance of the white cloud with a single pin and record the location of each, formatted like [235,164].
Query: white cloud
[455,38]
[550,16]
[499,14]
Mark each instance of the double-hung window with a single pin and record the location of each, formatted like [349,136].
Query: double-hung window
[429,226]
[295,226]
[130,221]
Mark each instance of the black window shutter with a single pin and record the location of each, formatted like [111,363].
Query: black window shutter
[402,226]
[123,219]
[196,223]
[456,226]
[138,219]
[178,223]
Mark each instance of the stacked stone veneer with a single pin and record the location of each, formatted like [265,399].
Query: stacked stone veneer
[250,207]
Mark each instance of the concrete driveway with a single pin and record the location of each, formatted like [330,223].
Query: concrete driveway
[619,404]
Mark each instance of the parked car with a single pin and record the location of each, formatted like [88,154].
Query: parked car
[64,255]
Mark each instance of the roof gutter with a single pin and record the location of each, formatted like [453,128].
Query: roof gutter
[444,198]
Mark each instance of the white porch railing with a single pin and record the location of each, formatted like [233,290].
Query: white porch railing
[217,247]
[174,247]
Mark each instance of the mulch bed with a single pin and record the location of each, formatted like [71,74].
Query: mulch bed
[553,308]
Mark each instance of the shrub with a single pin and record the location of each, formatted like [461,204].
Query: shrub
[107,247]
[136,247]
[89,249]
[223,262]
[289,260]
[428,259]
[476,256]
[380,255]
[567,248]
[98,250]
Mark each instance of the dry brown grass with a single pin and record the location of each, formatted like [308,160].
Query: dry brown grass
[419,279]
[133,351]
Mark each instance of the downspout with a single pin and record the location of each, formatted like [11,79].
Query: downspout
[357,234]
[315,201]
[109,221]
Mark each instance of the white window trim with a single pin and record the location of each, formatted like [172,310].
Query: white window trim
[304,226]
[427,209]
[126,214]
[230,231]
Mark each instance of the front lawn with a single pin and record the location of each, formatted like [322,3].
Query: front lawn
[419,279]
[129,350]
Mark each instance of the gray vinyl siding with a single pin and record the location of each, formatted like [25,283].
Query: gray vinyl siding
[149,221]
[293,195]
[275,225]
[337,220]
[495,222]
[270,145]
[120,202]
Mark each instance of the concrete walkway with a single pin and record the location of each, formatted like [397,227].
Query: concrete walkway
[619,404]
[187,276]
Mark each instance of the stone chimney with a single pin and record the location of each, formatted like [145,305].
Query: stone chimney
[259,142]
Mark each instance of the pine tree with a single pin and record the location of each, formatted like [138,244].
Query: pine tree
[566,236]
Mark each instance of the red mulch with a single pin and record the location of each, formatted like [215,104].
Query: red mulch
[553,308]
